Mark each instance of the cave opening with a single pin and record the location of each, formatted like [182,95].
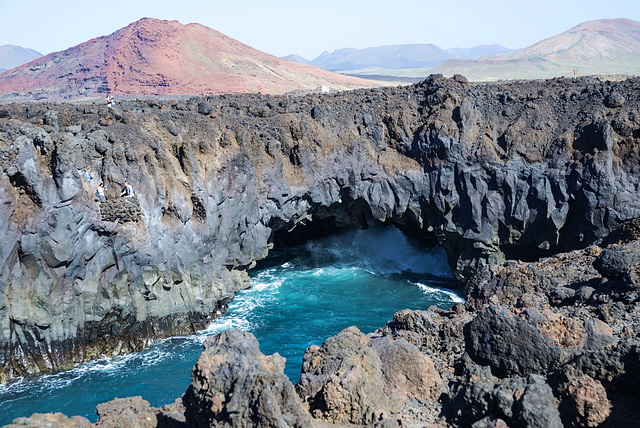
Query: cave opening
[348,231]
[337,268]
[344,217]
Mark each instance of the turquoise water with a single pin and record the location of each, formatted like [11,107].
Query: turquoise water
[299,297]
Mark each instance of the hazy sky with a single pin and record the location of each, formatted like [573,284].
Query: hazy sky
[283,27]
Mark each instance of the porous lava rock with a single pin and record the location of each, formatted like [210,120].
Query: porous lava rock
[440,160]
[523,402]
[130,412]
[342,380]
[53,420]
[234,385]
[587,402]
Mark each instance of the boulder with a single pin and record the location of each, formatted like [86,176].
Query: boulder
[585,403]
[524,343]
[234,385]
[617,260]
[407,373]
[342,381]
[131,412]
[50,420]
[480,398]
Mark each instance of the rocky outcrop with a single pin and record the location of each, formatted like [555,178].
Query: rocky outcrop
[535,345]
[356,379]
[233,385]
[490,172]
[478,397]
[131,412]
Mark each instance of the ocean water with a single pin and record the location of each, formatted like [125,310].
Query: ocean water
[299,297]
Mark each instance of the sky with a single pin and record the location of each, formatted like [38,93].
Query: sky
[284,27]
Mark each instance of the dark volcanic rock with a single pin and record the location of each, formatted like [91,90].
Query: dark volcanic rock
[216,191]
[513,344]
[520,402]
[617,261]
[235,385]
[121,210]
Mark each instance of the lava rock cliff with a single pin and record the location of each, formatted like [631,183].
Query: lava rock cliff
[489,172]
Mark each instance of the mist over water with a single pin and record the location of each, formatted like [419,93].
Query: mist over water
[299,297]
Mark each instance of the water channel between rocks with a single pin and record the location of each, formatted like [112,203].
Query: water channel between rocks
[299,297]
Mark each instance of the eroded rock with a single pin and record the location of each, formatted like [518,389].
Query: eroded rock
[235,385]
[526,402]
[342,380]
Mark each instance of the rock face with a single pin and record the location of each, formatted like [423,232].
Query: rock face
[535,345]
[490,172]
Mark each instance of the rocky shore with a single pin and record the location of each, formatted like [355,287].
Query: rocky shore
[514,171]
[551,343]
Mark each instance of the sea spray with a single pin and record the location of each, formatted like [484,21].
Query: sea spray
[299,297]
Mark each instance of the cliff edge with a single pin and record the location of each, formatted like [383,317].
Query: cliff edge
[489,172]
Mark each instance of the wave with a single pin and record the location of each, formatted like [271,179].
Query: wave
[440,293]
[379,249]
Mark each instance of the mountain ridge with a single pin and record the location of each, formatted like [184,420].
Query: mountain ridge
[606,46]
[393,56]
[12,56]
[155,57]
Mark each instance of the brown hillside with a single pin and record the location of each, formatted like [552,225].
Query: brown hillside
[154,57]
[602,47]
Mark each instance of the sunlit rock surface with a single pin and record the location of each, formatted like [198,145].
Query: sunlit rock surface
[490,172]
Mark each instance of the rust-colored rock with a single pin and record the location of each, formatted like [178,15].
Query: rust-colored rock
[155,57]
[589,403]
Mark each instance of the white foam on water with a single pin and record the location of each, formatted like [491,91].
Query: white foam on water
[263,290]
[105,365]
[436,292]
[380,250]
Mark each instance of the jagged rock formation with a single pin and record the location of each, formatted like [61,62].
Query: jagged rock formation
[233,384]
[558,350]
[489,172]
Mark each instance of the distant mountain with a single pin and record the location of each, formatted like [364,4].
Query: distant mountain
[154,57]
[391,56]
[298,59]
[477,51]
[386,59]
[12,56]
[608,46]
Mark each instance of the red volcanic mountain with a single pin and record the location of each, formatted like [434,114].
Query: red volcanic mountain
[154,57]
